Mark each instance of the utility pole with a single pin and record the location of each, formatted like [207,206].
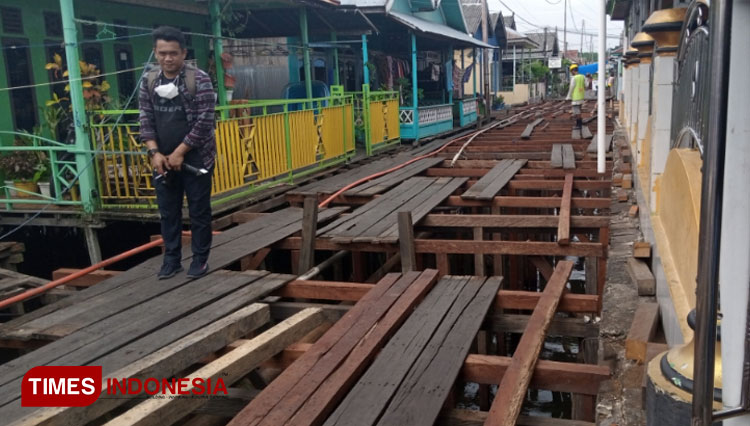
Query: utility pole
[583,30]
[486,62]
[565,29]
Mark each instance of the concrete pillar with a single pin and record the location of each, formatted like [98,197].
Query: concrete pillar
[661,119]
[734,269]
[644,87]
[633,132]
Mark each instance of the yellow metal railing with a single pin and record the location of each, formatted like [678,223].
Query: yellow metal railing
[384,122]
[260,142]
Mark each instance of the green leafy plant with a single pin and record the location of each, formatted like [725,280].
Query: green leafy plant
[404,89]
[23,165]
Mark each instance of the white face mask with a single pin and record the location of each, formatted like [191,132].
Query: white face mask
[167,91]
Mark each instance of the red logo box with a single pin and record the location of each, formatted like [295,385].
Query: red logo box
[61,386]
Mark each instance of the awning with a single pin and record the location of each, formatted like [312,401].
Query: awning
[437,30]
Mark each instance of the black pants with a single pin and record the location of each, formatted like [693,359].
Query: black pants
[169,195]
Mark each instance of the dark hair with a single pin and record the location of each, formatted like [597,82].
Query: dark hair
[169,34]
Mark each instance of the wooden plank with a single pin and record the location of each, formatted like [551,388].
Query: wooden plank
[457,417]
[642,277]
[549,375]
[585,132]
[330,393]
[429,380]
[593,148]
[633,212]
[530,128]
[642,330]
[127,336]
[406,242]
[642,249]
[164,363]
[384,183]
[575,134]
[230,367]
[496,185]
[420,207]
[528,248]
[568,156]
[556,159]
[309,231]
[492,175]
[326,290]
[543,266]
[94,277]
[368,398]
[139,284]
[349,330]
[563,227]
[531,202]
[512,389]
[627,181]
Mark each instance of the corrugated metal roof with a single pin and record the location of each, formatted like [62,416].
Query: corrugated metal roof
[436,29]
[509,22]
[472,14]
[538,38]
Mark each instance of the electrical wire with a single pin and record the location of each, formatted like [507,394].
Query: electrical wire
[85,167]
[52,83]
[62,43]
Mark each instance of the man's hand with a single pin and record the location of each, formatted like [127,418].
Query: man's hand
[160,163]
[175,160]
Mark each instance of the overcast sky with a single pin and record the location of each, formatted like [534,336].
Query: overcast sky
[550,13]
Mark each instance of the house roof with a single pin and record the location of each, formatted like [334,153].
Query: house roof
[434,29]
[509,21]
[472,14]
[494,18]
[539,39]
[519,40]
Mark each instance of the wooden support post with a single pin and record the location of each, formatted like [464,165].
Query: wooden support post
[497,260]
[592,276]
[512,389]
[309,230]
[479,257]
[254,261]
[443,266]
[601,270]
[563,228]
[406,242]
[484,390]
[642,277]
[358,266]
[642,330]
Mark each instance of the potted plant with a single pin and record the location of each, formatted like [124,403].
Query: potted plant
[23,169]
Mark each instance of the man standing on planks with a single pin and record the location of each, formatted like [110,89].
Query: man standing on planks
[177,107]
[576,93]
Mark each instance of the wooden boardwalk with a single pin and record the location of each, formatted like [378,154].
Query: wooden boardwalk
[447,271]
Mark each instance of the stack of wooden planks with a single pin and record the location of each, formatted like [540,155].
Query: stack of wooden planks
[489,185]
[377,221]
[411,378]
[563,156]
[307,391]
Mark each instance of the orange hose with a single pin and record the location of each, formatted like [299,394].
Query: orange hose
[52,284]
[383,172]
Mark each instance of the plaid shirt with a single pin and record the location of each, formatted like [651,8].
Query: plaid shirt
[200,111]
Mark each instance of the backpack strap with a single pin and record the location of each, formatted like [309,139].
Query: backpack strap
[190,79]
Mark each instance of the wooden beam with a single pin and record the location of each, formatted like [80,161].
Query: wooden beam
[543,266]
[530,202]
[479,257]
[230,368]
[309,231]
[642,277]
[530,128]
[550,184]
[563,226]
[406,242]
[165,362]
[527,248]
[511,392]
[457,417]
[87,280]
[549,375]
[327,290]
[642,330]
[510,221]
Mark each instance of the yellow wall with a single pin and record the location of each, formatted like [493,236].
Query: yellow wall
[676,225]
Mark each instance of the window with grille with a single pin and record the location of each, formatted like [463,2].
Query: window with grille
[12,22]
[53,24]
[89,31]
[120,31]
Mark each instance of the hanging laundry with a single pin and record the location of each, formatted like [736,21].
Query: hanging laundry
[435,72]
